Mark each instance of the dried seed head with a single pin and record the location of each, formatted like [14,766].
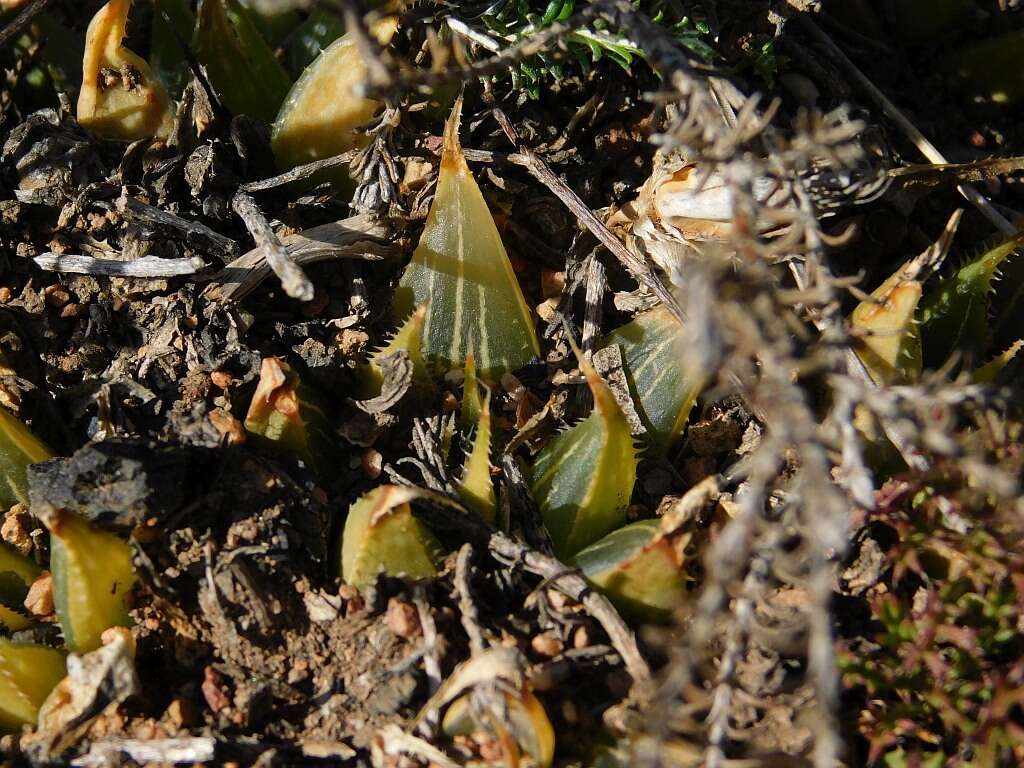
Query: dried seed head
[120,97]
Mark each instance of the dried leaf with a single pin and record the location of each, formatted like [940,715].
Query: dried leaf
[27,675]
[639,570]
[381,533]
[120,97]
[18,448]
[583,479]
[322,109]
[92,577]
[460,268]
[956,314]
[475,487]
[663,391]
[890,347]
[289,416]
[523,722]
[241,66]
[16,575]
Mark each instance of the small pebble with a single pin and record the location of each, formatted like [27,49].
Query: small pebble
[403,618]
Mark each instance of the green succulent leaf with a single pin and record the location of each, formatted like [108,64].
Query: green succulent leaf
[472,405]
[639,570]
[275,24]
[664,392]
[18,448]
[461,271]
[475,487]
[322,110]
[241,66]
[989,372]
[120,97]
[290,418]
[408,338]
[955,315]
[311,38]
[16,575]
[381,534]
[27,675]
[92,577]
[583,479]
[173,22]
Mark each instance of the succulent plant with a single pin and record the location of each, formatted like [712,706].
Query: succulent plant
[408,338]
[955,314]
[92,578]
[475,486]
[16,575]
[381,534]
[583,478]
[241,66]
[120,97]
[289,417]
[173,22]
[18,448]
[663,391]
[640,570]
[322,110]
[460,270]
[27,675]
[989,372]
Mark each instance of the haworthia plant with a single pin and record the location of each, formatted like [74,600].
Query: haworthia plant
[289,417]
[663,391]
[241,66]
[472,405]
[583,479]
[889,344]
[18,448]
[525,725]
[475,486]
[120,96]
[955,315]
[311,37]
[16,575]
[640,570]
[461,270]
[381,534]
[92,579]
[322,110]
[27,675]
[989,372]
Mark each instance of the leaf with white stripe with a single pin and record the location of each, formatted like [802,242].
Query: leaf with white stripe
[460,268]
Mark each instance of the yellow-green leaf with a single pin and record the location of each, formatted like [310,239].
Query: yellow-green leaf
[989,372]
[663,391]
[322,110]
[92,577]
[16,575]
[408,338]
[18,448]
[955,315]
[27,675]
[475,487]
[120,97]
[583,479]
[525,726]
[472,405]
[890,341]
[381,534]
[289,416]
[461,270]
[241,66]
[639,570]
